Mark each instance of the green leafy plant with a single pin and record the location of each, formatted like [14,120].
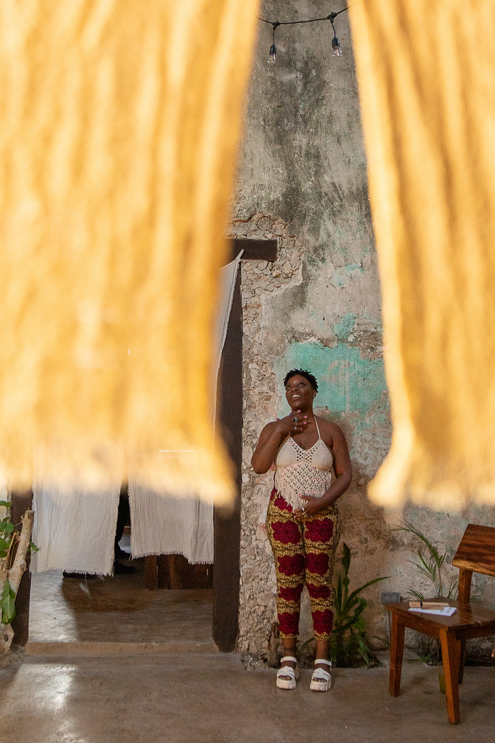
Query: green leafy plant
[348,643]
[431,565]
[6,530]
[7,603]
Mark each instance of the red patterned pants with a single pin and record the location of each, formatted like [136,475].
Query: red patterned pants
[304,552]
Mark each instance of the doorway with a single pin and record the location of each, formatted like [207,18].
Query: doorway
[223,598]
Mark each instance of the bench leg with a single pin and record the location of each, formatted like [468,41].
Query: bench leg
[450,657]
[396,653]
[462,659]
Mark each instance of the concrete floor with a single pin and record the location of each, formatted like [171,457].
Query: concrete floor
[95,616]
[211,698]
[109,662]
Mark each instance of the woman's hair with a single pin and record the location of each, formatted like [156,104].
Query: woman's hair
[302,373]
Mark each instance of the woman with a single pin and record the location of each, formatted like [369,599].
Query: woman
[303,523]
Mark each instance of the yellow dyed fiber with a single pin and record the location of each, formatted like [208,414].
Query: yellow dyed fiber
[426,74]
[119,123]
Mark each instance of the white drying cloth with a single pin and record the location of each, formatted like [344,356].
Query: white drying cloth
[162,524]
[75,529]
[167,525]
[228,275]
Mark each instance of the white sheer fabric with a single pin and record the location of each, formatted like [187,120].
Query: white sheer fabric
[75,529]
[163,524]
[168,525]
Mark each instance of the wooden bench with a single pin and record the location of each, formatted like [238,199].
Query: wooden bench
[476,554]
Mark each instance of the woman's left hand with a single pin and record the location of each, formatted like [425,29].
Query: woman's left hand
[312,506]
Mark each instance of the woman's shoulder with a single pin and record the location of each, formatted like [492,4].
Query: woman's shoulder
[270,425]
[328,428]
[268,429]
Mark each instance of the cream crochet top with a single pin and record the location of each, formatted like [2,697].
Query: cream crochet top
[303,471]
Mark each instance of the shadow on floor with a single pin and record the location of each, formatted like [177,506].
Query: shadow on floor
[116,609]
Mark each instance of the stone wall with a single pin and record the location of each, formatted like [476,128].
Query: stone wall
[302,179]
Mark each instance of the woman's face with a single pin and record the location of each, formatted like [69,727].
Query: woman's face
[299,393]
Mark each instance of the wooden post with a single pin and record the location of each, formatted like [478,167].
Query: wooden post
[150,572]
[163,579]
[21,501]
[227,540]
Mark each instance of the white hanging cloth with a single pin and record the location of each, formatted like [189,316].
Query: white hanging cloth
[162,524]
[75,528]
[165,525]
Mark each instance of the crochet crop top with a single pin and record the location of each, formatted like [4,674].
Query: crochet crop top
[303,471]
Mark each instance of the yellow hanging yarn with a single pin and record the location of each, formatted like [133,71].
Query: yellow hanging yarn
[426,74]
[119,129]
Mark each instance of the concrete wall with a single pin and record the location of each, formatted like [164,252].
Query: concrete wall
[302,178]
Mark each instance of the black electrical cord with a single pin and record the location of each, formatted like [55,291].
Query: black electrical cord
[275,24]
[330,18]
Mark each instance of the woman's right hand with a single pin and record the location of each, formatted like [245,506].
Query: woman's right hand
[271,437]
[292,423]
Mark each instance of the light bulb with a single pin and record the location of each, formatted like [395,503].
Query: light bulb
[337,51]
[273,55]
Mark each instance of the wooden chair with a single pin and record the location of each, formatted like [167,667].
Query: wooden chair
[476,554]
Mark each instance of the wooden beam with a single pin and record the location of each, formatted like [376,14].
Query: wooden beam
[254,250]
[227,535]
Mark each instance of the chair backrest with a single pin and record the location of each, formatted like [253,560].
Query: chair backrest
[476,551]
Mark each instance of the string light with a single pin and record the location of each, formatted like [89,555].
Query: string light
[336,49]
[272,58]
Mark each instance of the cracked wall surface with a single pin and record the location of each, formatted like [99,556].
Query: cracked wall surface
[302,179]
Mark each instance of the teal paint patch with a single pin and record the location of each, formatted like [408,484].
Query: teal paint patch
[347,382]
[342,275]
[344,328]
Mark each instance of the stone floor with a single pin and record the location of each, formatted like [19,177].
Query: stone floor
[212,699]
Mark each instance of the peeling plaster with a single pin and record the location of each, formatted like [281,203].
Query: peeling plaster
[347,381]
[302,178]
[344,328]
[341,276]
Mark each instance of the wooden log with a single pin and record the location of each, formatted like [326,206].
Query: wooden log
[21,501]
[20,562]
[15,574]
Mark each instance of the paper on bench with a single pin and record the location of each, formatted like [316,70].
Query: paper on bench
[447,611]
